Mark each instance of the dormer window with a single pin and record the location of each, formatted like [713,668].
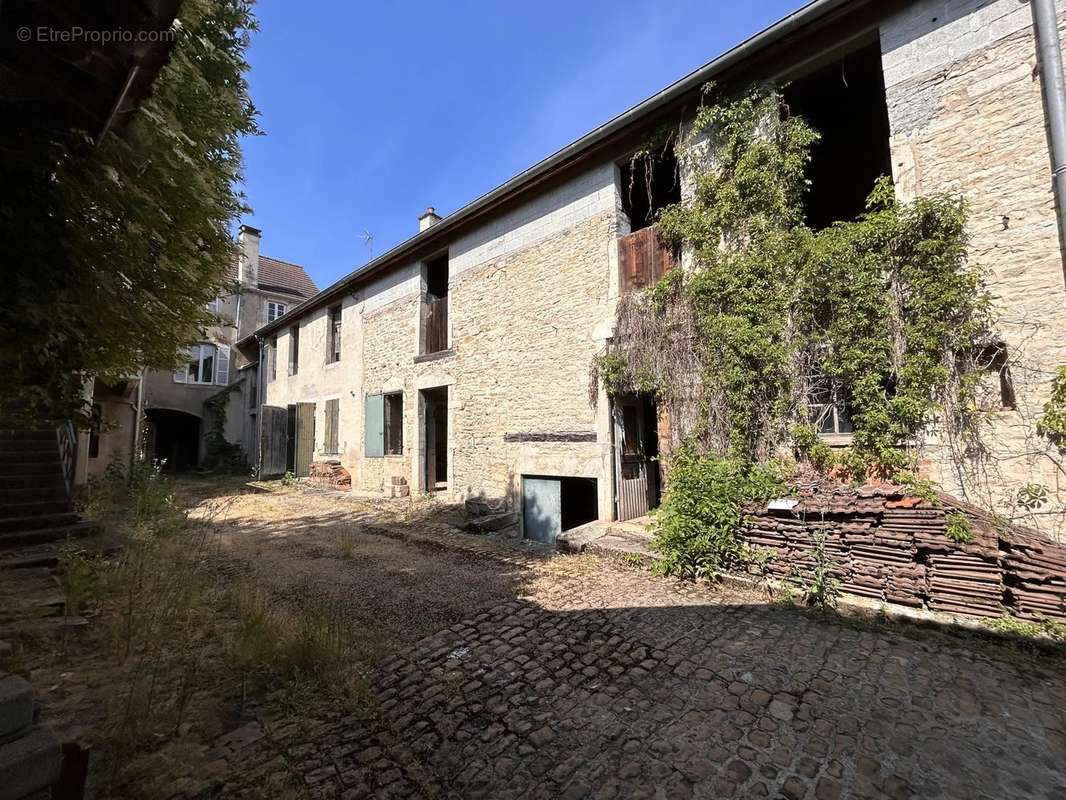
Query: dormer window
[275,310]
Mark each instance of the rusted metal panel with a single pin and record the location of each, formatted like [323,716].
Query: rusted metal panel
[643,259]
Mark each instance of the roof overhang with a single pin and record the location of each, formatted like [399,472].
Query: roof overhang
[74,65]
[797,40]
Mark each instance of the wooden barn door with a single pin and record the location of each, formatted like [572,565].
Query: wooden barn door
[635,484]
[305,438]
[273,441]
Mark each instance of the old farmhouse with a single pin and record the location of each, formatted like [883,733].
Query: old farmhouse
[458,362]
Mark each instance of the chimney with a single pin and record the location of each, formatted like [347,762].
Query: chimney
[427,220]
[248,260]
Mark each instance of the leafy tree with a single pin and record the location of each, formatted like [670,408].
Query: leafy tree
[113,249]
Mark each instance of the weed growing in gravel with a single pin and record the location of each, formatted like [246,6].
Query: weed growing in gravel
[346,541]
[307,642]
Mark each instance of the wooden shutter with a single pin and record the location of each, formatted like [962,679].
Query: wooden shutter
[332,420]
[222,365]
[374,426]
[642,259]
[305,438]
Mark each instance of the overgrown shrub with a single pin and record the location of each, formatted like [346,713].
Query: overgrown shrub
[1052,423]
[696,527]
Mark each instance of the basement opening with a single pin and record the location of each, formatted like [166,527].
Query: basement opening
[649,183]
[552,504]
[845,102]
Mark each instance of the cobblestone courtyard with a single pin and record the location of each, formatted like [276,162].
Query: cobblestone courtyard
[568,677]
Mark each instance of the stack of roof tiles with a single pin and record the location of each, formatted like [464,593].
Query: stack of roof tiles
[889,545]
[330,473]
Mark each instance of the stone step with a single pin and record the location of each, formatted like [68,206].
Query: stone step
[21,436]
[29,764]
[35,456]
[33,508]
[491,522]
[32,494]
[36,522]
[49,468]
[46,554]
[16,707]
[51,481]
[19,445]
[23,538]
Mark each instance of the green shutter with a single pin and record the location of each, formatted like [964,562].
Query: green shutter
[374,426]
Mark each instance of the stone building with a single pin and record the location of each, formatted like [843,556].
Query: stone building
[458,361]
[177,405]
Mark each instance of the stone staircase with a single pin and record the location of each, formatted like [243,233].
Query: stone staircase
[35,504]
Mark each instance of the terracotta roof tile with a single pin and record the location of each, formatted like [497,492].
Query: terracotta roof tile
[275,274]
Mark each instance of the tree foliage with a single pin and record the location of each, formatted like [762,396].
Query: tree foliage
[114,248]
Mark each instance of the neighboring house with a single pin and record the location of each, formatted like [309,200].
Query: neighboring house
[459,360]
[176,409]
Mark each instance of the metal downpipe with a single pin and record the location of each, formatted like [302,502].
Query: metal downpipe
[1049,60]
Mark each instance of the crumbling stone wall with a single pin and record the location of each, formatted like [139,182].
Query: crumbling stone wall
[966,115]
[888,545]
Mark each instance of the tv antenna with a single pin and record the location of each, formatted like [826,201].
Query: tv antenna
[368,240]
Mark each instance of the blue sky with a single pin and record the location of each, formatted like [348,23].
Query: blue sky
[374,110]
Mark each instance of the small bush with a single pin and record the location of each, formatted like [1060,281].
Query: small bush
[958,527]
[83,578]
[696,525]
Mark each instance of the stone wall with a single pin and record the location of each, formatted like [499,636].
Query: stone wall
[966,116]
[883,543]
[530,302]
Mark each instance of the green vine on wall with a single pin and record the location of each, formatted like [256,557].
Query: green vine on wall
[221,453]
[1052,423]
[883,315]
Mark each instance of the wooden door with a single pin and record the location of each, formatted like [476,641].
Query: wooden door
[631,460]
[273,441]
[305,439]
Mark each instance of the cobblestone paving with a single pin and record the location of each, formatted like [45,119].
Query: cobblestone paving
[609,683]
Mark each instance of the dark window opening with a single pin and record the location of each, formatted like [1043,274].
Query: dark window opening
[94,430]
[579,502]
[845,103]
[999,391]
[649,184]
[435,306]
[827,403]
[294,349]
[331,445]
[272,356]
[394,424]
[335,334]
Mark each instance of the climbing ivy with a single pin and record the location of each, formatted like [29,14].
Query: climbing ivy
[1052,423]
[883,313]
[221,453]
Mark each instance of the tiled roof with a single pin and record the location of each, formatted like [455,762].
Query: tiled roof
[275,274]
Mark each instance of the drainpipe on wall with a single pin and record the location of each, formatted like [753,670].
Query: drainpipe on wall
[1049,62]
[260,393]
[138,416]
